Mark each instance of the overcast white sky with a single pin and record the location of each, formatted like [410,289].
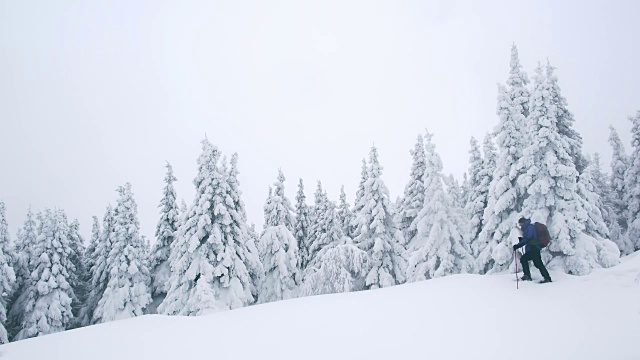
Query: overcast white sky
[97,93]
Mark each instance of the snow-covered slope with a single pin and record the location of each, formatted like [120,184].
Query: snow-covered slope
[456,317]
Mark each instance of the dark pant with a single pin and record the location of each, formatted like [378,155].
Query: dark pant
[534,255]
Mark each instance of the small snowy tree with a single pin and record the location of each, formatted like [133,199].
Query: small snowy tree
[317,234]
[89,262]
[413,199]
[278,248]
[378,233]
[165,235]
[632,183]
[358,200]
[7,274]
[619,164]
[439,247]
[127,293]
[48,303]
[302,225]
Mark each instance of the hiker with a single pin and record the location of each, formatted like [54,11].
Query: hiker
[529,240]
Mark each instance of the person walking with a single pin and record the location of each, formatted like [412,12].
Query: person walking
[532,250]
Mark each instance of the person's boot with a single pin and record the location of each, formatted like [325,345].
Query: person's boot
[526,278]
[546,280]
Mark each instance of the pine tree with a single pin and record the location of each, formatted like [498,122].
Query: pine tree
[505,197]
[318,228]
[278,248]
[619,164]
[165,235]
[100,269]
[48,303]
[364,176]
[344,213]
[89,263]
[24,245]
[476,207]
[550,181]
[245,241]
[127,293]
[7,274]
[207,272]
[413,199]
[378,233]
[80,278]
[565,121]
[439,247]
[302,225]
[632,183]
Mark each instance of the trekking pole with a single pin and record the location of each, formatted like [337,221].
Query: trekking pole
[516,260]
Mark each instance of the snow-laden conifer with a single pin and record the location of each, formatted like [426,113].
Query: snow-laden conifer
[278,248]
[7,274]
[378,233]
[413,199]
[632,183]
[165,235]
[128,289]
[302,225]
[439,247]
[619,164]
[100,268]
[344,213]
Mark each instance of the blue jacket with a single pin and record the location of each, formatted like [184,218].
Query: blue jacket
[529,234]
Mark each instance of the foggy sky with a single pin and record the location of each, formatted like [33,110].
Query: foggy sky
[97,93]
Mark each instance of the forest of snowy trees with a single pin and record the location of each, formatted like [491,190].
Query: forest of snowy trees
[208,257]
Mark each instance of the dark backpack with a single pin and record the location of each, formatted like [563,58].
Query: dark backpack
[543,235]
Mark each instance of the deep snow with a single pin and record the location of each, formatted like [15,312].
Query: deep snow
[456,317]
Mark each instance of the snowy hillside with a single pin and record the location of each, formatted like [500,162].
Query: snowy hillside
[456,317]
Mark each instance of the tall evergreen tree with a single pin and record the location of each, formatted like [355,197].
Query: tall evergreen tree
[413,199]
[475,202]
[48,303]
[344,213]
[278,248]
[7,274]
[241,236]
[127,293]
[481,193]
[318,228]
[165,235]
[100,269]
[565,121]
[378,233]
[439,247]
[302,225]
[24,246]
[80,278]
[632,183]
[619,164]
[357,207]
[207,272]
[89,262]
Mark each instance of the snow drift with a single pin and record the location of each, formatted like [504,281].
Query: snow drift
[596,316]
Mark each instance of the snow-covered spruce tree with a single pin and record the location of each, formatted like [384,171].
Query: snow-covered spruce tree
[475,205]
[318,228]
[378,233]
[240,233]
[344,213]
[632,183]
[127,293]
[24,245]
[207,270]
[607,251]
[7,274]
[48,302]
[100,269]
[481,193]
[331,235]
[619,164]
[342,268]
[357,207]
[505,197]
[413,199]
[551,183]
[80,278]
[302,225]
[565,121]
[278,248]
[439,248]
[165,235]
[89,261]
[454,191]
